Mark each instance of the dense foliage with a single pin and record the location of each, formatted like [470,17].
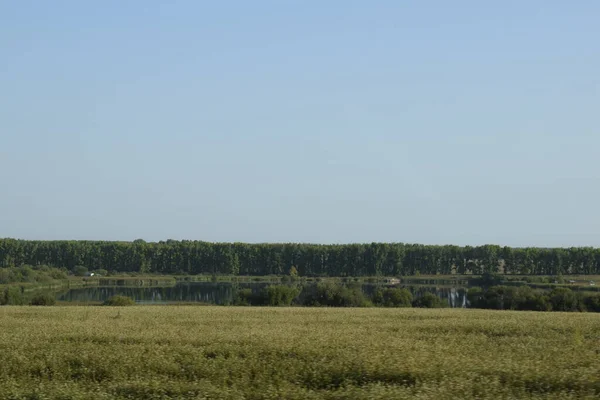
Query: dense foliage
[389,259]
[525,298]
[332,294]
[13,281]
[43,299]
[119,301]
[429,300]
[12,295]
[273,295]
[393,297]
[30,274]
[296,353]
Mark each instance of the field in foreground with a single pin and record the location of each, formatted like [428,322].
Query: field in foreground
[296,353]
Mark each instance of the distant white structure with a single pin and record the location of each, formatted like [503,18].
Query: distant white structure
[90,274]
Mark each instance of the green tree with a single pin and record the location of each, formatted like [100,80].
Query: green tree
[43,299]
[429,300]
[280,295]
[564,299]
[393,297]
[80,270]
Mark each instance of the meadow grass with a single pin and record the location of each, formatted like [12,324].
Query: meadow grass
[214,352]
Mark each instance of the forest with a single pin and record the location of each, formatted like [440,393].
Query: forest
[374,259]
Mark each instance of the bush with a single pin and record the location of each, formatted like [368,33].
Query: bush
[293,272]
[12,295]
[80,271]
[393,297]
[27,273]
[592,302]
[564,299]
[475,296]
[280,295]
[243,297]
[119,301]
[527,299]
[537,302]
[500,298]
[5,276]
[336,295]
[273,295]
[58,274]
[429,300]
[43,299]
[509,298]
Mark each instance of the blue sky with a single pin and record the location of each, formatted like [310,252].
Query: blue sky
[435,122]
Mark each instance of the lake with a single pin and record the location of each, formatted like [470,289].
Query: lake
[223,292]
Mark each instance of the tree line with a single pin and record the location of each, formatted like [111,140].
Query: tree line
[374,259]
[527,299]
[330,294]
[499,297]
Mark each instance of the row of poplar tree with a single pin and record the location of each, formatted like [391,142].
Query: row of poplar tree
[384,259]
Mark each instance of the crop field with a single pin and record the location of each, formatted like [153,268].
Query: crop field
[186,352]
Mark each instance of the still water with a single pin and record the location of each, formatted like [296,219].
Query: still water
[223,292]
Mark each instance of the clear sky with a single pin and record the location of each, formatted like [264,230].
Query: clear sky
[463,122]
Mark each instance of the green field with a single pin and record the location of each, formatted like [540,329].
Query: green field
[182,352]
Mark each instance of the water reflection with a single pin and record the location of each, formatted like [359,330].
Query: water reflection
[223,292]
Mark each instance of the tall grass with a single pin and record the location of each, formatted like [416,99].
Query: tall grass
[296,353]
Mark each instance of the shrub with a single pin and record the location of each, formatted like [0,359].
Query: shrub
[273,295]
[119,301]
[58,274]
[592,302]
[429,300]
[527,299]
[43,299]
[564,299]
[475,296]
[27,273]
[280,295]
[80,271]
[12,295]
[393,297]
[499,298]
[509,298]
[243,297]
[5,276]
[537,302]
[336,295]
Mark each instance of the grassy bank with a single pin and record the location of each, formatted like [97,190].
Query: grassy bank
[291,353]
